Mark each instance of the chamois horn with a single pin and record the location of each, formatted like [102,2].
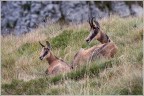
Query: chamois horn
[94,23]
[41,44]
[90,22]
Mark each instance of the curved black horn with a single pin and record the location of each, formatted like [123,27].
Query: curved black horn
[41,44]
[97,24]
[90,22]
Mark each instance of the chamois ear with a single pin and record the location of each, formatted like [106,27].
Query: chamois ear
[48,45]
[41,44]
[92,22]
[97,24]
[89,21]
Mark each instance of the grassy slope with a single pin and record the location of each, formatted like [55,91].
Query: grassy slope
[23,72]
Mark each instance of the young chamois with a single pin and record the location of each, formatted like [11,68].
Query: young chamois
[106,49]
[56,65]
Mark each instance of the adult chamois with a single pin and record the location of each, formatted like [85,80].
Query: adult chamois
[56,65]
[106,49]
[96,33]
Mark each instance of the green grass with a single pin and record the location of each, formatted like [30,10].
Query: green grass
[36,86]
[23,72]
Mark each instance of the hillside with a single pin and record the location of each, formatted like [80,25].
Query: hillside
[23,72]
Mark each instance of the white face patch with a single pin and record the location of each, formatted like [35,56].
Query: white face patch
[44,53]
[91,36]
[91,33]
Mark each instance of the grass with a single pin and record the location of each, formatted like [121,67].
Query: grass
[23,72]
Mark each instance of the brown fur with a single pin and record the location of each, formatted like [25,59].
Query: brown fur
[102,37]
[56,65]
[95,32]
[106,49]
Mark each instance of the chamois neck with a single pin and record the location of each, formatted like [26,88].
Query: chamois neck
[103,38]
[51,58]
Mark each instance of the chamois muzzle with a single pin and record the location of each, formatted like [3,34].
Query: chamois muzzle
[41,58]
[88,40]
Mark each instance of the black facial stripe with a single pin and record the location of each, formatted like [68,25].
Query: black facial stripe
[96,30]
[92,36]
[46,52]
[94,33]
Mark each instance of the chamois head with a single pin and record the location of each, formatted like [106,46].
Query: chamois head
[94,29]
[45,50]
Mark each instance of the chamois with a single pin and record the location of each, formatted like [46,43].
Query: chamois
[96,33]
[56,65]
[106,49]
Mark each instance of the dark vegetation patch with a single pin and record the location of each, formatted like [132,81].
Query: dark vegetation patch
[28,48]
[62,40]
[67,37]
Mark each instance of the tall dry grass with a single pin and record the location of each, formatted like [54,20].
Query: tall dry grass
[119,75]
